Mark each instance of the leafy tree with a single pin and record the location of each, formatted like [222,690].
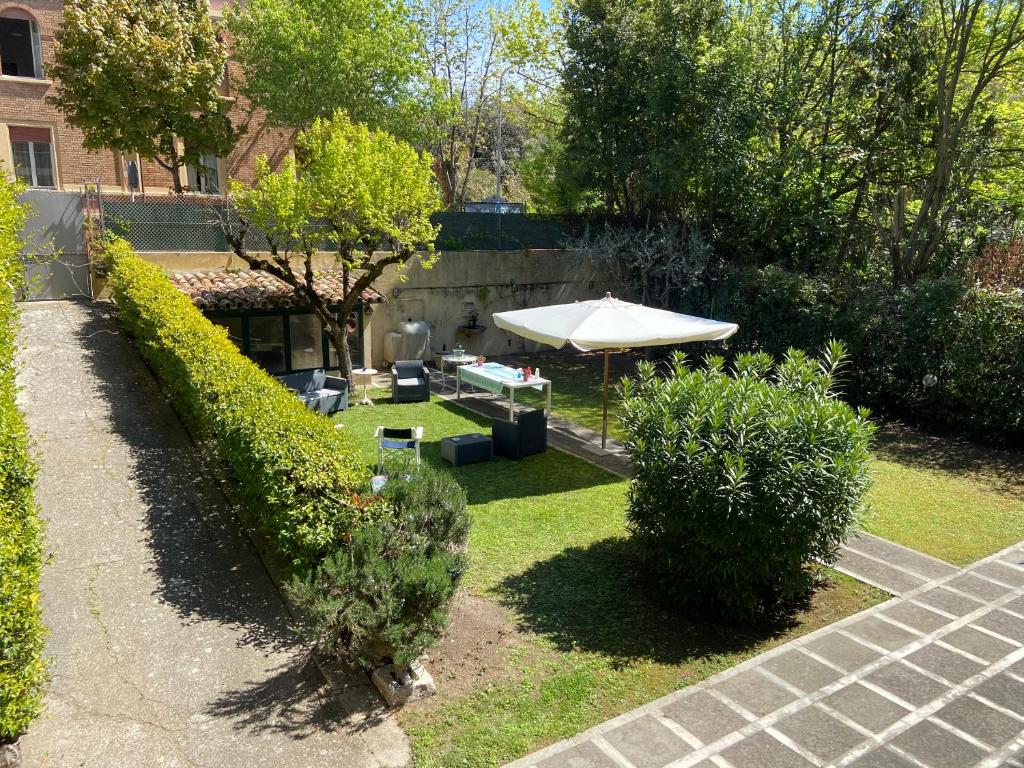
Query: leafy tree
[361,193]
[305,59]
[142,76]
[654,122]
[823,134]
[485,62]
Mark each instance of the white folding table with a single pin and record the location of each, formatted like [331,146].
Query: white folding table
[495,377]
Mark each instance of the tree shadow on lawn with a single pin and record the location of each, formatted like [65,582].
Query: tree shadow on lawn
[540,475]
[1001,470]
[595,599]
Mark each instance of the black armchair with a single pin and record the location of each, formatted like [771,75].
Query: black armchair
[521,438]
[410,382]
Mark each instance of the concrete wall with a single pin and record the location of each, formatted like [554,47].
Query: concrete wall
[492,281]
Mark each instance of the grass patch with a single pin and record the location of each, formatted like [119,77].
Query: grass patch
[948,498]
[953,500]
[548,543]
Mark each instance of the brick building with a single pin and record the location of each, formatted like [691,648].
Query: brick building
[47,153]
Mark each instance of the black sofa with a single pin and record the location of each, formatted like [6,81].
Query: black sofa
[320,392]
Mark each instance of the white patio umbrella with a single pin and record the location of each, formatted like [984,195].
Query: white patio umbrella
[608,324]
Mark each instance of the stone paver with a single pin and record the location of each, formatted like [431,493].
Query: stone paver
[170,643]
[902,685]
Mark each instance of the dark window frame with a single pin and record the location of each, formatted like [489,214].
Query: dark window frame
[34,45]
[284,313]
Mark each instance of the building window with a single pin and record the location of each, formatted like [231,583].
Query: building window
[306,337]
[20,47]
[287,342]
[205,177]
[267,342]
[32,151]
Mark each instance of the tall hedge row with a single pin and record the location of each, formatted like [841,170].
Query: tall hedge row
[938,352]
[292,469]
[22,670]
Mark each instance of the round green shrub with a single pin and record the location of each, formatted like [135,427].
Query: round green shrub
[744,479]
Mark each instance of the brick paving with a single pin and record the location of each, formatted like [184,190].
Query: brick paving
[931,679]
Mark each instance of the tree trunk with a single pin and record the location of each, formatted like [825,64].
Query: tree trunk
[337,334]
[175,170]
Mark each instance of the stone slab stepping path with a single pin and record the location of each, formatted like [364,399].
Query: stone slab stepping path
[889,566]
[170,644]
[881,563]
[931,679]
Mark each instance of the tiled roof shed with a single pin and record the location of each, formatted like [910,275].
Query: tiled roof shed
[252,289]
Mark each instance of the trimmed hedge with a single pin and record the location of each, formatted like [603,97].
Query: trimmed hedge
[292,469]
[743,480]
[971,340]
[22,669]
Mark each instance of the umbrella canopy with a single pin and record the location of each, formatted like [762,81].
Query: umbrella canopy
[609,324]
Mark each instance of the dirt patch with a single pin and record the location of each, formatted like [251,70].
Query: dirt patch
[481,643]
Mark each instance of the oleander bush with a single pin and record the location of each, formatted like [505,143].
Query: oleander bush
[968,338]
[386,596]
[294,471]
[22,669]
[745,479]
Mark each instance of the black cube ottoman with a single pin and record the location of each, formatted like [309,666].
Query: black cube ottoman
[466,449]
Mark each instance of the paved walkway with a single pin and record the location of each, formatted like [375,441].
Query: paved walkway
[881,563]
[934,678]
[170,643]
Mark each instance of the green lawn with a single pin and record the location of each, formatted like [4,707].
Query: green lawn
[548,546]
[951,499]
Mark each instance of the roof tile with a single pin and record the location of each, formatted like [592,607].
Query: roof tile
[253,289]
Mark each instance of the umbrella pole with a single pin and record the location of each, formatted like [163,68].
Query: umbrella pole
[604,424]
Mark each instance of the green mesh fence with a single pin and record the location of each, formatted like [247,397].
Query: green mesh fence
[194,223]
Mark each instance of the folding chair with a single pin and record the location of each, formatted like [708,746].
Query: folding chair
[394,441]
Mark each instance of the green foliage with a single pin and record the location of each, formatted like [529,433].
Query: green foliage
[387,594]
[655,120]
[139,75]
[744,480]
[22,670]
[294,471]
[809,133]
[306,59]
[374,190]
[968,338]
[367,193]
